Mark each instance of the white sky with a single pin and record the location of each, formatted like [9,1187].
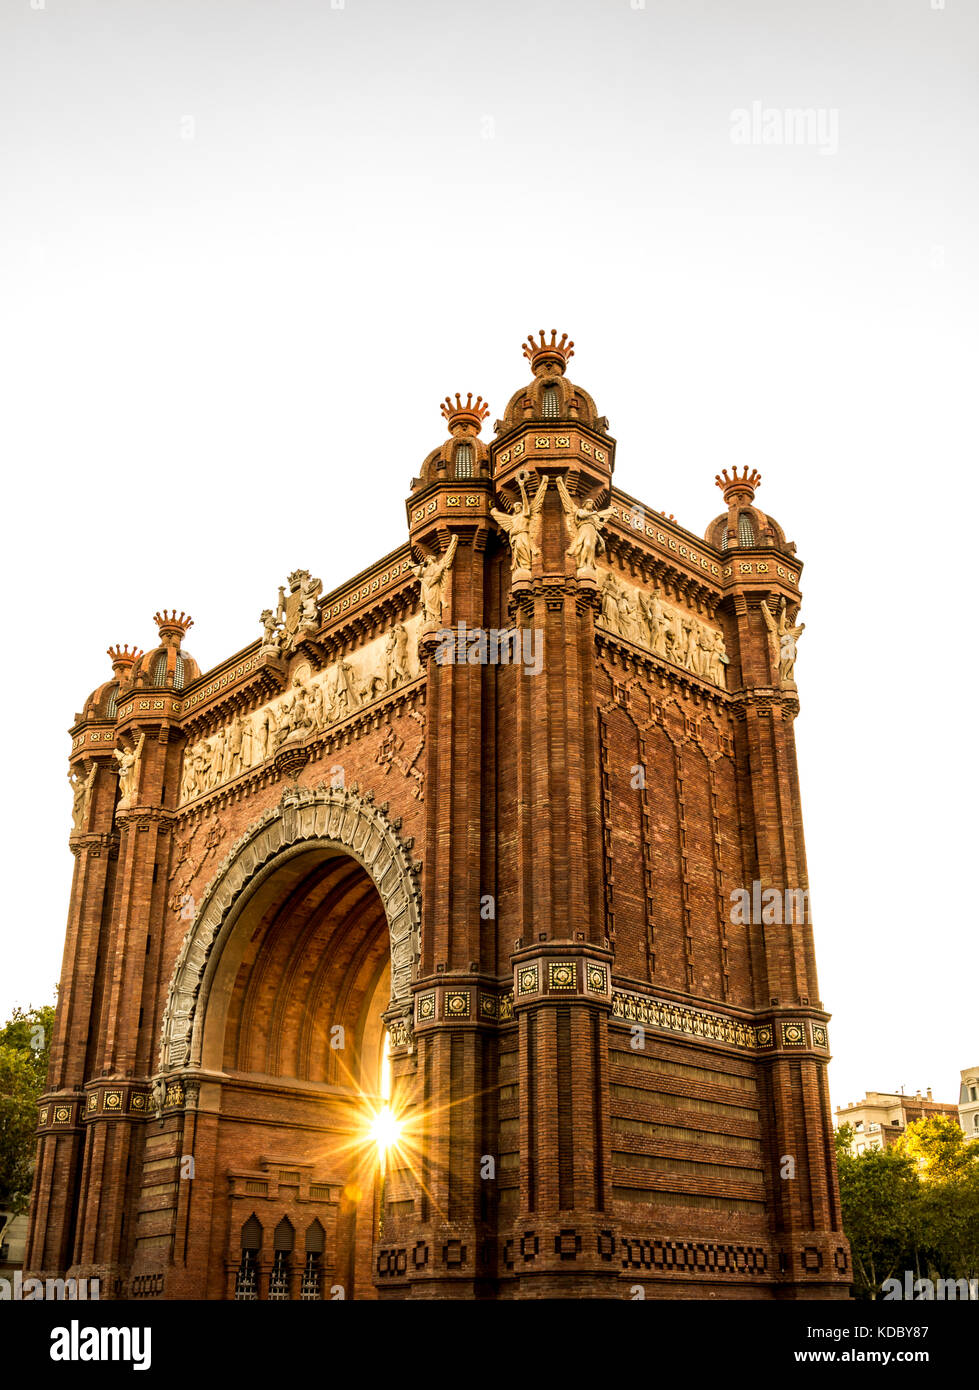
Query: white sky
[248,247]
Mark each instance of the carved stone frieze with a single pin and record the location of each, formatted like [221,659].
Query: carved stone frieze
[313,703]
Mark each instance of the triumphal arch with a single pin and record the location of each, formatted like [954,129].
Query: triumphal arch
[451,939]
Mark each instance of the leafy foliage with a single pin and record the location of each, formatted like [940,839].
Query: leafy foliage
[25,1045]
[914,1206]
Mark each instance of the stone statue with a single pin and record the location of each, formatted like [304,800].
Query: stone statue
[309,616]
[584,528]
[233,759]
[159,1091]
[522,526]
[271,633]
[188,777]
[285,721]
[342,694]
[396,657]
[432,575]
[610,602]
[128,760]
[628,616]
[782,642]
[703,657]
[217,758]
[656,620]
[719,659]
[81,788]
[263,734]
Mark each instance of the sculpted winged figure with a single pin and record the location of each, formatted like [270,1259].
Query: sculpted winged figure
[522,526]
[584,527]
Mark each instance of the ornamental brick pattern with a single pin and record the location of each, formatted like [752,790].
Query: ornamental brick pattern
[512,881]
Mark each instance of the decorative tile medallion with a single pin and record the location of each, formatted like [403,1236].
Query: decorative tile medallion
[597,977]
[528,979]
[562,974]
[457,1003]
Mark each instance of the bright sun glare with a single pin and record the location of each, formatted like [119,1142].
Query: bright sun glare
[385,1129]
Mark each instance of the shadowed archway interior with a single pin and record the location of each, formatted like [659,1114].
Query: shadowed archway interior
[293,1026]
[316,960]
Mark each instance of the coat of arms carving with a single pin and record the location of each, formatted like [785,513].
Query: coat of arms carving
[296,615]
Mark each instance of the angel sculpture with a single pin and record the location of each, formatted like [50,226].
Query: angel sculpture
[522,526]
[584,527]
[128,760]
[781,640]
[81,789]
[432,575]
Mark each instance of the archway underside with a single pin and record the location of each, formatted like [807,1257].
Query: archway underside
[295,1013]
[313,962]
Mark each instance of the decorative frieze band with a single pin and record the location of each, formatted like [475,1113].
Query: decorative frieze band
[631,1007]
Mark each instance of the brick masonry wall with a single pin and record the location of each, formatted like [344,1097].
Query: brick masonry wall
[605,809]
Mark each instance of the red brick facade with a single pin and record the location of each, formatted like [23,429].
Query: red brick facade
[608,1083]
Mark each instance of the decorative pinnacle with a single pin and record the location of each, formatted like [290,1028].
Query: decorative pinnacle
[468,416]
[172,628]
[734,486]
[546,354]
[122,658]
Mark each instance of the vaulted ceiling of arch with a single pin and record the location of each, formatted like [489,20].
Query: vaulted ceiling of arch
[313,962]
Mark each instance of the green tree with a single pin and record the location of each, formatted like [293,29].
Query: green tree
[948,1165]
[25,1045]
[879,1194]
[938,1148]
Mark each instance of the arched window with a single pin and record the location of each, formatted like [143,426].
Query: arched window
[283,1241]
[464,460]
[724,539]
[315,1243]
[112,703]
[551,402]
[178,674]
[746,532]
[246,1280]
[160,670]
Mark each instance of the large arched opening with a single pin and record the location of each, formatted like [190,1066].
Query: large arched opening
[290,968]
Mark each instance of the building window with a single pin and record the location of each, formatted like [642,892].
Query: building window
[972,1092]
[112,705]
[314,1242]
[724,539]
[746,532]
[551,403]
[178,674]
[160,670]
[283,1242]
[464,461]
[246,1280]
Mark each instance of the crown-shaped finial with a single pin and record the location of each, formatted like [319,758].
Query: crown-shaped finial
[172,626]
[123,659]
[734,485]
[544,353]
[465,415]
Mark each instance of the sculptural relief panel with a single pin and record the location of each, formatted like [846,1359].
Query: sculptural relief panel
[677,636]
[314,702]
